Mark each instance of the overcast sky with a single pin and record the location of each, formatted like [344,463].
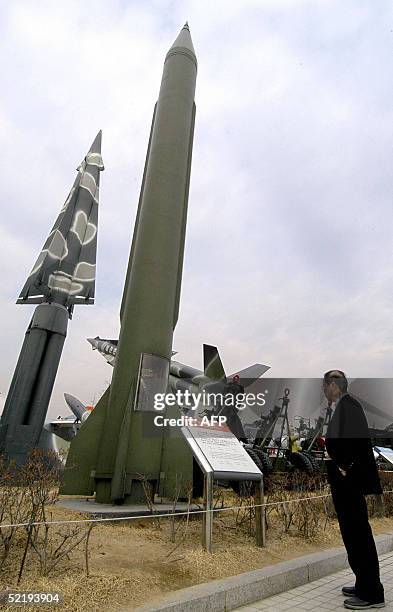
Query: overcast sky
[288,256]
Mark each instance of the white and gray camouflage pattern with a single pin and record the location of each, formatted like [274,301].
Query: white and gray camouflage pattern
[66,267]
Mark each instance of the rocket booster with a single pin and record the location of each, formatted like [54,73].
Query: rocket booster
[150,303]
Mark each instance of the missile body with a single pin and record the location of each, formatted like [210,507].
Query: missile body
[63,275]
[150,302]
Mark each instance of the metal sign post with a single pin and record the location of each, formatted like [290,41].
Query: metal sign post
[207,522]
[221,456]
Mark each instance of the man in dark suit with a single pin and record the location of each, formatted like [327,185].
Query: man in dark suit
[352,474]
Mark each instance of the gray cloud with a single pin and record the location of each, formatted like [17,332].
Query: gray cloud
[288,257]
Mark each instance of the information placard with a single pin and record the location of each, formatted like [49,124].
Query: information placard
[221,456]
[217,448]
[152,379]
[386,453]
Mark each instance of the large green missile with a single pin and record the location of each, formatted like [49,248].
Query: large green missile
[150,304]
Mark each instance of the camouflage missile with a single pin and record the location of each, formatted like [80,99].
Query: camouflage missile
[63,275]
[150,303]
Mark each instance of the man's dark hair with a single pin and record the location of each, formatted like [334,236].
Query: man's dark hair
[338,377]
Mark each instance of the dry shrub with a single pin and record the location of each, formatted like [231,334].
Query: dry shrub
[387,486]
[310,518]
[25,493]
[304,518]
[15,508]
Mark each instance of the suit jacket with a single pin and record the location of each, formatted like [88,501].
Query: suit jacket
[349,446]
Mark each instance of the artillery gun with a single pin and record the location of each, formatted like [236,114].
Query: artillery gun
[284,451]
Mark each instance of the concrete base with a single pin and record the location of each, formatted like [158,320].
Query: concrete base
[243,589]
[89,506]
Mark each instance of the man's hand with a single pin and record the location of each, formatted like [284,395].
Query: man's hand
[343,472]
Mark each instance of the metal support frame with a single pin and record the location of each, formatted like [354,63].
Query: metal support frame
[282,413]
[207,523]
[323,422]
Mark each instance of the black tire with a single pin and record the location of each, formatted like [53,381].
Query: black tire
[267,466]
[254,454]
[315,464]
[301,462]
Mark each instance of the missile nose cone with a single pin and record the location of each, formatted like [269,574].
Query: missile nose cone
[94,154]
[183,42]
[93,342]
[70,399]
[96,144]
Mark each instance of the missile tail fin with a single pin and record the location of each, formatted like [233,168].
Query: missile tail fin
[82,456]
[250,374]
[212,363]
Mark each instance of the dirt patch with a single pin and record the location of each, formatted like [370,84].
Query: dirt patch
[134,564]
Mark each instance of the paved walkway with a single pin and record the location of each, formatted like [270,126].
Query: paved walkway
[324,594]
